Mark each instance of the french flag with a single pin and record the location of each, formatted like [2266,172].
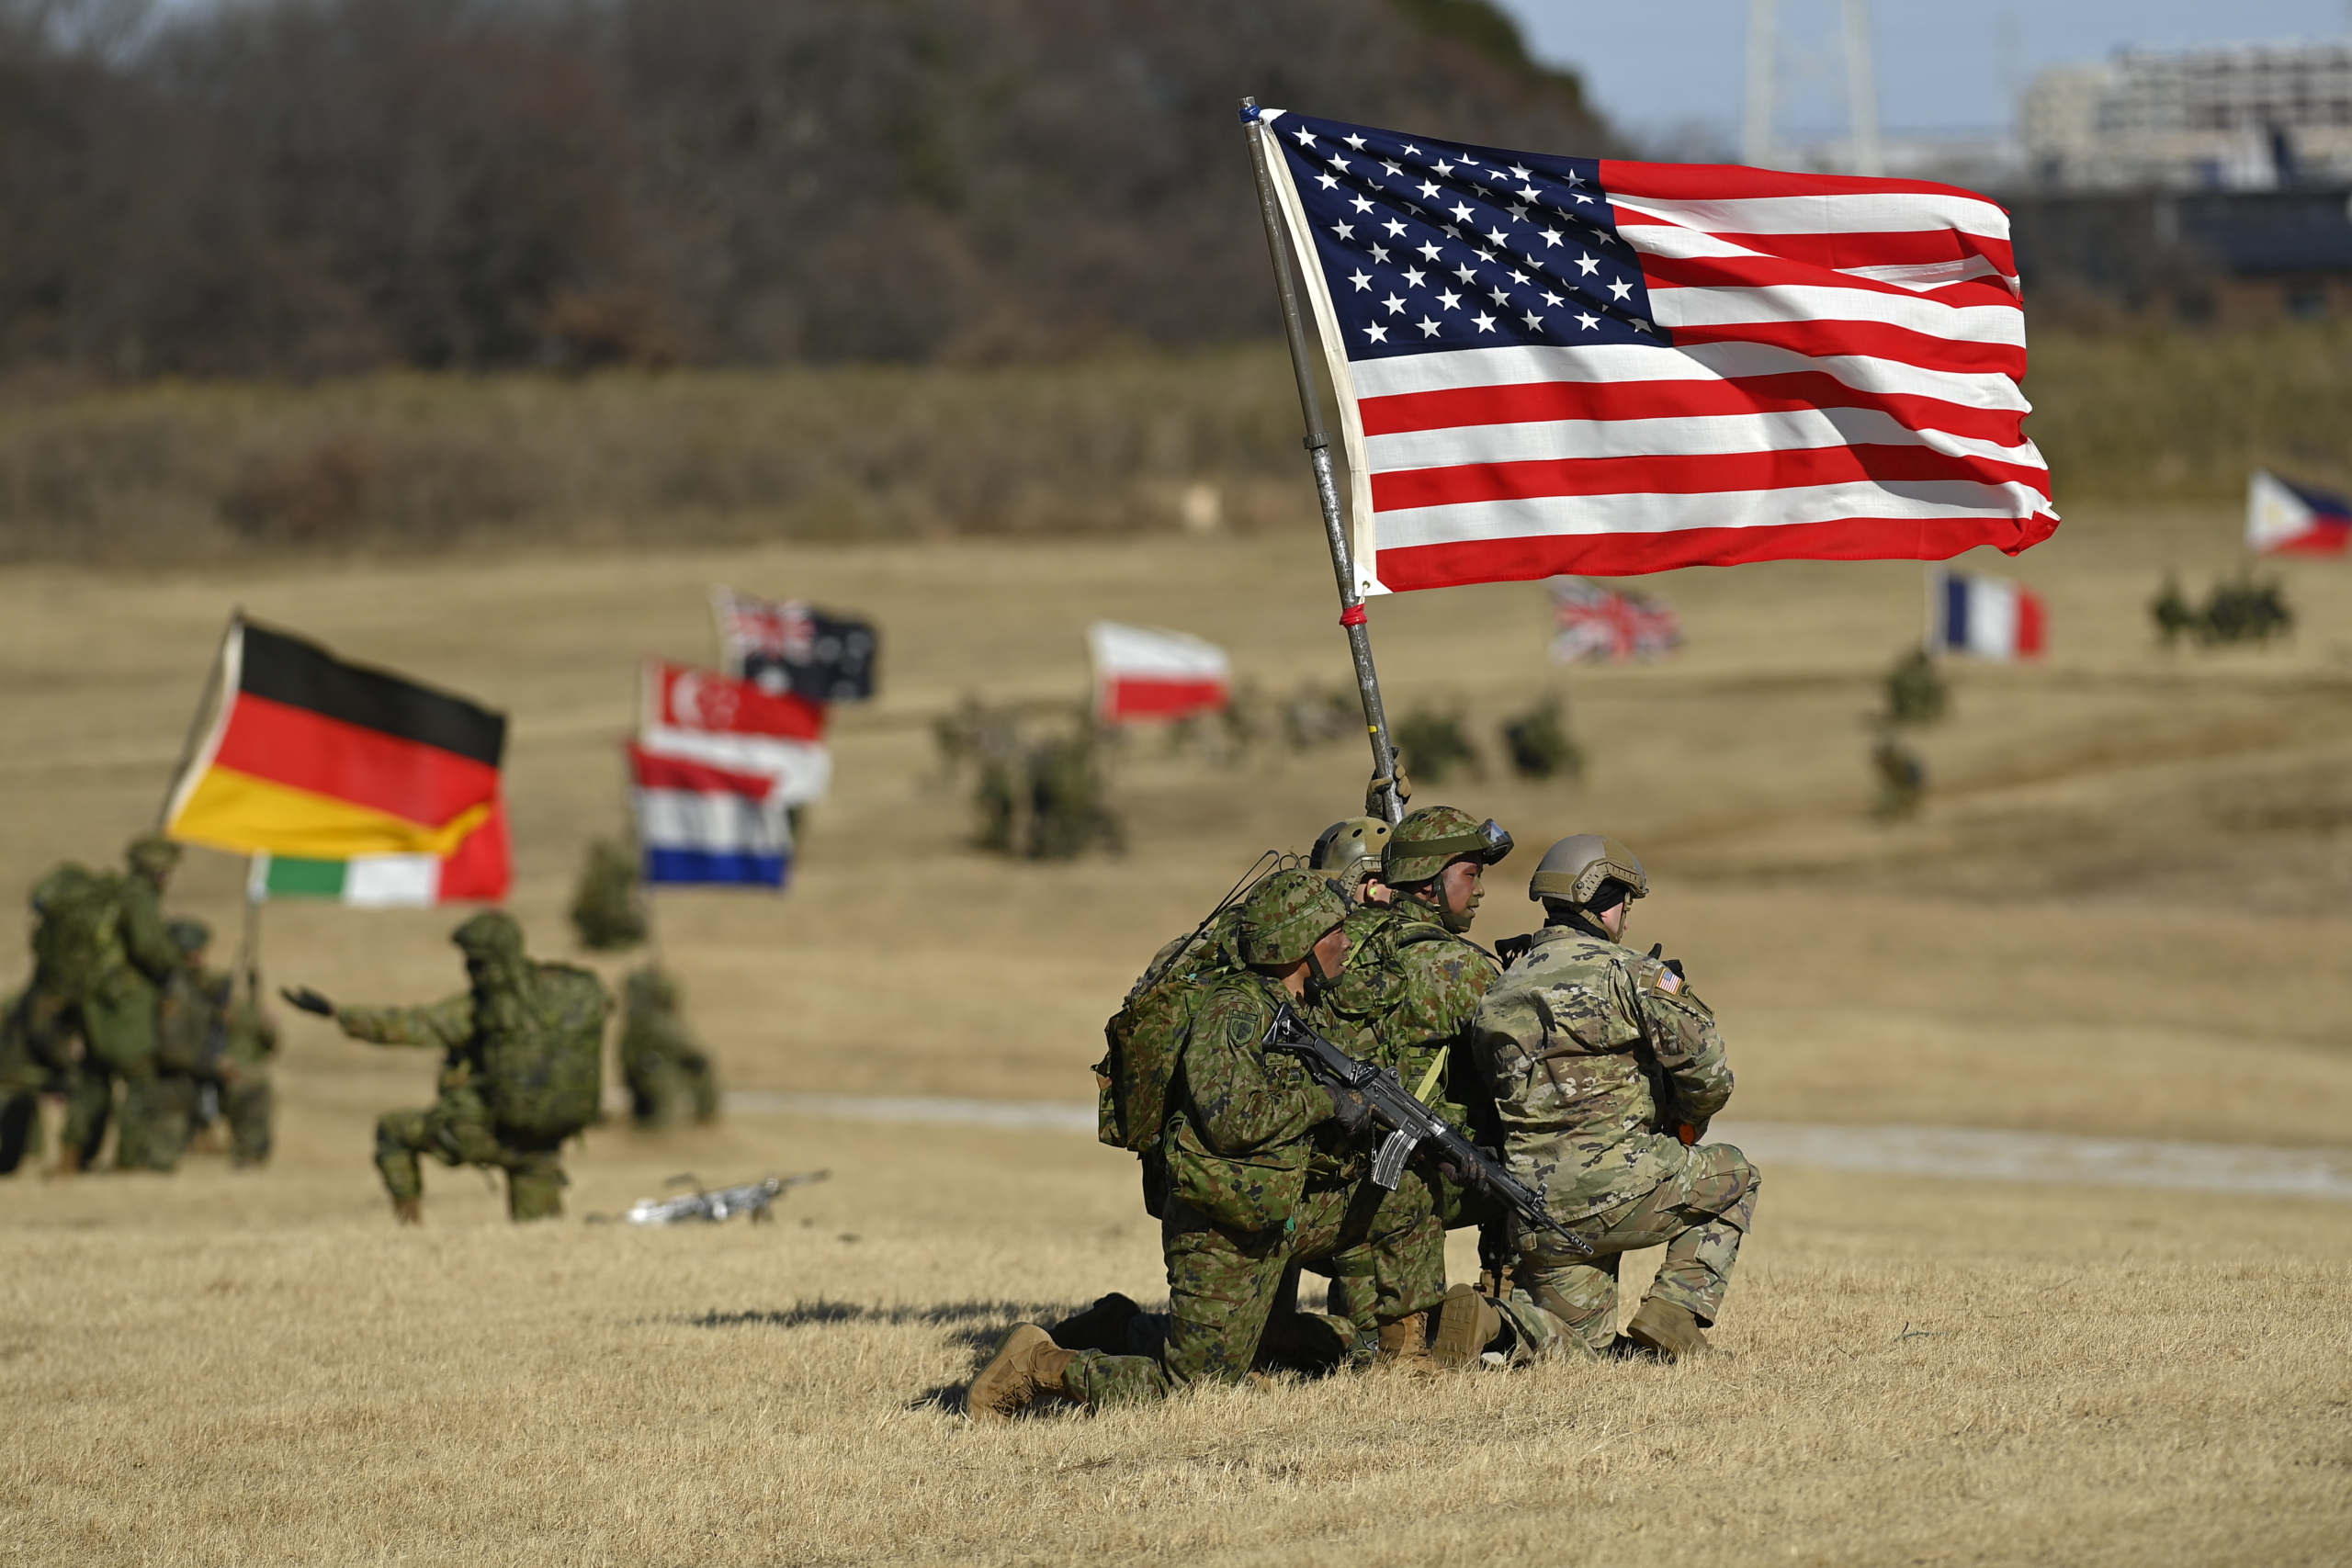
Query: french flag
[702,824]
[1989,617]
[2284,519]
[1144,672]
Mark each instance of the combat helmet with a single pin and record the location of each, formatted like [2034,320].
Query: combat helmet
[1433,838]
[151,854]
[490,934]
[191,936]
[1573,870]
[1348,850]
[1289,913]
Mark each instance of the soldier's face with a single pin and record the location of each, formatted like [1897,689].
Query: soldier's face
[1461,886]
[1324,959]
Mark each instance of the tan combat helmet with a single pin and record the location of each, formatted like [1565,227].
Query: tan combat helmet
[1348,851]
[1574,869]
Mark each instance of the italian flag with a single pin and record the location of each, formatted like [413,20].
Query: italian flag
[344,781]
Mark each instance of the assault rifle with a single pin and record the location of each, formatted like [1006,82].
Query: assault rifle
[717,1203]
[1410,1125]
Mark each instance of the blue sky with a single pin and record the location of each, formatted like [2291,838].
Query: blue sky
[1941,67]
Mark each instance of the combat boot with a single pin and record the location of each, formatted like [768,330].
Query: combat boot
[1669,1330]
[408,1210]
[1405,1345]
[1027,1363]
[1103,1326]
[1466,1324]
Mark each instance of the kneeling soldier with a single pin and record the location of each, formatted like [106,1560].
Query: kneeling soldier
[1240,1203]
[1605,1068]
[524,1069]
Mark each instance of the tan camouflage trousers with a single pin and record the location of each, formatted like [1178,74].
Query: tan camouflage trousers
[458,1131]
[1222,1284]
[1567,1306]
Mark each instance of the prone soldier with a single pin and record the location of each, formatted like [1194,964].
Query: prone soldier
[1605,1068]
[1241,1201]
[522,1069]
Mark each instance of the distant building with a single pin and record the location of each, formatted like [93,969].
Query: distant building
[2209,187]
[2249,117]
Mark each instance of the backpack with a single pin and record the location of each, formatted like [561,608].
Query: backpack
[1147,1035]
[544,1072]
[78,943]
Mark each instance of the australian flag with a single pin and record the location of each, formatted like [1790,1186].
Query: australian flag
[790,646]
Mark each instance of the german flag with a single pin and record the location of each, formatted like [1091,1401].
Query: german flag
[310,758]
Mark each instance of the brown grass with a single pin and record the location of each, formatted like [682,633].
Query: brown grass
[2087,928]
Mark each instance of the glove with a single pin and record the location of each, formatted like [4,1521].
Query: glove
[1350,1109]
[1512,949]
[308,1000]
[1657,950]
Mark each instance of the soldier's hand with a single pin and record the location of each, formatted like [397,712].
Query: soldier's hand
[308,1000]
[1350,1109]
[1657,950]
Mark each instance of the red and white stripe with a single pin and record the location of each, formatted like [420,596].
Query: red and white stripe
[1844,384]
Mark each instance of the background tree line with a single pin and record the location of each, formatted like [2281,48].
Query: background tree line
[299,187]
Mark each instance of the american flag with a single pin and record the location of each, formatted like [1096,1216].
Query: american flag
[1571,365]
[1601,623]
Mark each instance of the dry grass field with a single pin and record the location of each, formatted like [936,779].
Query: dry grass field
[2123,911]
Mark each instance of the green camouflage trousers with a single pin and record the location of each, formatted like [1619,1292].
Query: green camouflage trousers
[458,1131]
[158,1119]
[660,1089]
[1568,1305]
[1222,1283]
[247,1104]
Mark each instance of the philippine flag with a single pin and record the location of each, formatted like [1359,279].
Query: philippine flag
[2282,518]
[1144,672]
[1989,617]
[701,824]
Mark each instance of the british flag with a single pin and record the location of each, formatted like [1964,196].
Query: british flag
[1552,365]
[1606,624]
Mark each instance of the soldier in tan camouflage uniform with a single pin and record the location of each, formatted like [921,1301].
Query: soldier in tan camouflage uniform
[1605,1068]
[1243,1200]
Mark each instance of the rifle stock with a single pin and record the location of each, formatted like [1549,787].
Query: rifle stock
[1411,1124]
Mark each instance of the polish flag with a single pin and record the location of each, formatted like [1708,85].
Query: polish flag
[2289,520]
[701,824]
[1987,618]
[703,716]
[1144,672]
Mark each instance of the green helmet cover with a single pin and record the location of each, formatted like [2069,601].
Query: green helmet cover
[1289,913]
[1433,838]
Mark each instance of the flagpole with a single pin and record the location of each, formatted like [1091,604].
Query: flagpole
[203,719]
[1387,794]
[256,890]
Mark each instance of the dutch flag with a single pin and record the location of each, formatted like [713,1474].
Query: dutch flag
[698,823]
[1987,618]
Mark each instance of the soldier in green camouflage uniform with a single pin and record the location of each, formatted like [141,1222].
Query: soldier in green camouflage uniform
[104,954]
[26,1074]
[247,1100]
[191,1037]
[1243,1201]
[458,1128]
[1605,1068]
[663,1064]
[1411,990]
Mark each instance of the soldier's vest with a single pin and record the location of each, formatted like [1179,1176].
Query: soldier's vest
[542,1051]
[78,942]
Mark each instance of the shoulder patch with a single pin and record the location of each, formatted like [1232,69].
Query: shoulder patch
[1669,982]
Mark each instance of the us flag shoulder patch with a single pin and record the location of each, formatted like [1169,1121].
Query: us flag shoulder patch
[1669,982]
